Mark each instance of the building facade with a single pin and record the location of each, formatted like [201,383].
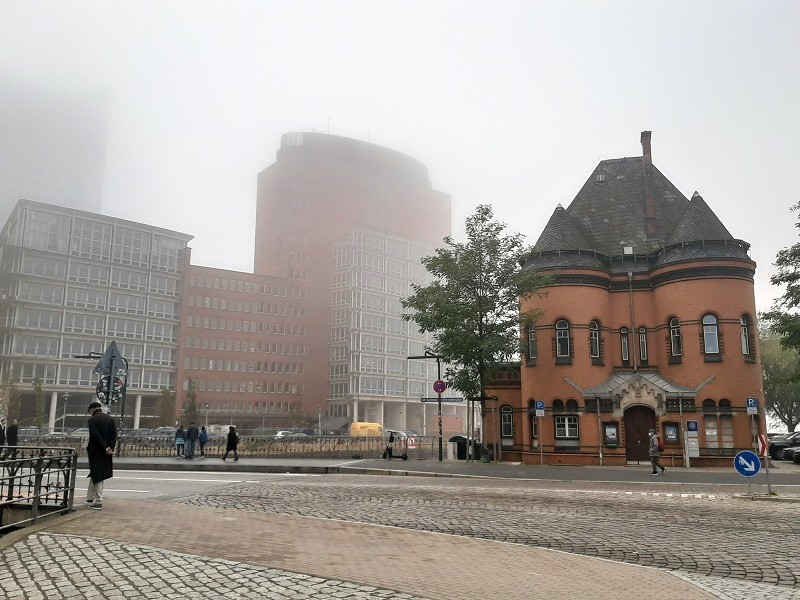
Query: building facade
[71,282]
[649,322]
[243,348]
[351,220]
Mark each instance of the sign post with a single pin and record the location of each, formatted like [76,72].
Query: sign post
[539,415]
[439,386]
[747,464]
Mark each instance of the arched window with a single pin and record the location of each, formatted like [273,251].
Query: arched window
[558,406]
[572,406]
[533,347]
[747,337]
[563,346]
[506,421]
[643,344]
[623,344]
[725,405]
[709,405]
[594,339]
[675,338]
[566,424]
[710,334]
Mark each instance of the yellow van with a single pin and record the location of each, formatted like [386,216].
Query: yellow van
[362,429]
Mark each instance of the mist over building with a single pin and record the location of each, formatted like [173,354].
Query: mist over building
[52,147]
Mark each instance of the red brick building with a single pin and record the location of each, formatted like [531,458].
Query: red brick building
[243,344]
[650,322]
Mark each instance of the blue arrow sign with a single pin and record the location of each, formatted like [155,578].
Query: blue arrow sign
[747,463]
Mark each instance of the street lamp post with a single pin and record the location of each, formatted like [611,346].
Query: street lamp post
[206,416]
[65,398]
[438,390]
[319,421]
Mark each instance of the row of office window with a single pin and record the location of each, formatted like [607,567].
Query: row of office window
[234,285]
[261,308]
[245,326]
[248,387]
[55,347]
[89,324]
[83,375]
[711,342]
[97,274]
[86,238]
[258,366]
[244,345]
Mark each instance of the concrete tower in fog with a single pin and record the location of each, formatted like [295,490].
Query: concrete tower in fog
[352,220]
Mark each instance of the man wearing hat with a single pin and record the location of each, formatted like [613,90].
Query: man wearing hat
[102,439]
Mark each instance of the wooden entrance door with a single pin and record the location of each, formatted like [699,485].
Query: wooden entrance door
[639,420]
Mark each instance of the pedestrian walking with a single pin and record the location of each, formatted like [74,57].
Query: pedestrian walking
[180,440]
[656,447]
[232,444]
[2,432]
[12,433]
[202,437]
[191,439]
[100,450]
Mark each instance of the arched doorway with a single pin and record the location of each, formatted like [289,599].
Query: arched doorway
[639,420]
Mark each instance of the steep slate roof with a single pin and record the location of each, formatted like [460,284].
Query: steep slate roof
[610,210]
[698,222]
[562,233]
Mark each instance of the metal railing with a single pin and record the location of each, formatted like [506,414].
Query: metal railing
[35,483]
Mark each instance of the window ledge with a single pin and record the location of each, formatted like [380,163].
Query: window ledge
[712,357]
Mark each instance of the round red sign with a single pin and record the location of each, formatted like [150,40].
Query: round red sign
[439,386]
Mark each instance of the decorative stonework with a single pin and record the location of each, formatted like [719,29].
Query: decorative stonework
[637,391]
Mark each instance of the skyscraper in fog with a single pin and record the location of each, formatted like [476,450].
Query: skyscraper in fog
[352,220]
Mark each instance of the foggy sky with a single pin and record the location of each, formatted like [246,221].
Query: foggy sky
[510,103]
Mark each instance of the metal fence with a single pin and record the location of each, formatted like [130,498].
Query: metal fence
[35,483]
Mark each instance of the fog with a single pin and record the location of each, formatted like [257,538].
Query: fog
[510,103]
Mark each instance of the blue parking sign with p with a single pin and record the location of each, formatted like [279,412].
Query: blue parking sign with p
[752,402]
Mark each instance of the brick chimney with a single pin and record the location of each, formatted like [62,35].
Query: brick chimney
[651,218]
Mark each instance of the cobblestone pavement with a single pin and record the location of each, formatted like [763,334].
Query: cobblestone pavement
[712,535]
[69,566]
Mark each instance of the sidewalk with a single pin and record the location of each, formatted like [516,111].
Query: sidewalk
[429,565]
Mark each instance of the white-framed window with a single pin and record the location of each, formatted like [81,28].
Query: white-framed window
[623,344]
[533,346]
[643,344]
[710,334]
[506,421]
[563,347]
[675,337]
[566,426]
[594,339]
[744,335]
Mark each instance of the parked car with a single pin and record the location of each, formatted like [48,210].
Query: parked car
[299,434]
[778,443]
[788,453]
[28,432]
[81,432]
[284,434]
[796,458]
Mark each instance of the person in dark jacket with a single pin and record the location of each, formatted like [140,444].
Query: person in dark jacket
[12,433]
[2,432]
[191,439]
[100,450]
[180,440]
[202,437]
[233,443]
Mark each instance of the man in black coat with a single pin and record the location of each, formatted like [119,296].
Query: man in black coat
[2,432]
[102,439]
[191,439]
[12,433]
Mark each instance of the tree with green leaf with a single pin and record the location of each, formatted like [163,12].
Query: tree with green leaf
[781,387]
[473,305]
[167,410]
[38,398]
[783,319]
[191,410]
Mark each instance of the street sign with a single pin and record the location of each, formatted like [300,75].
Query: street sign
[110,355]
[411,443]
[747,463]
[436,399]
[752,406]
[762,445]
[117,392]
[439,386]
[692,429]
[539,408]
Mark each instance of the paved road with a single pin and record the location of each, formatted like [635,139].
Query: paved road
[696,530]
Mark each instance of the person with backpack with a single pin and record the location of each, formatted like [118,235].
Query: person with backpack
[656,448]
